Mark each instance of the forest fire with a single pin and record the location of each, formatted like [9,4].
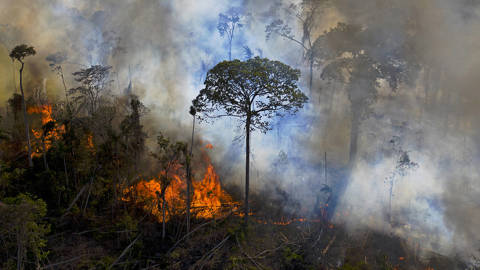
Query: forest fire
[48,132]
[207,200]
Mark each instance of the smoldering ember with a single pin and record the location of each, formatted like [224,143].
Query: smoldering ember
[240,134]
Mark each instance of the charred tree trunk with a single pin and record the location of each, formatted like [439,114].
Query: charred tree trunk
[247,167]
[44,153]
[19,253]
[163,214]
[27,128]
[65,169]
[189,177]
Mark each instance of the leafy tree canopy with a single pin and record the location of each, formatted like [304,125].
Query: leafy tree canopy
[258,89]
[22,51]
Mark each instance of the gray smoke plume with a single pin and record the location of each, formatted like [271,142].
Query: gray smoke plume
[164,48]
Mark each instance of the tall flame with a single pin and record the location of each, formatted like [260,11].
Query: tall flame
[208,194]
[207,200]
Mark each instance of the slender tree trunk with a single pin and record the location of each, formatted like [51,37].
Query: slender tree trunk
[65,168]
[247,169]
[27,128]
[189,178]
[325,167]
[14,79]
[163,215]
[44,153]
[311,74]
[230,49]
[392,182]
[64,85]
[353,141]
[19,253]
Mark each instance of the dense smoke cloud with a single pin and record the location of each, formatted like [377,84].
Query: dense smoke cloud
[166,47]
[433,120]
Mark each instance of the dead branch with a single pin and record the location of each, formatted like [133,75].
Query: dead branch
[318,239]
[329,244]
[259,266]
[210,253]
[194,230]
[63,262]
[74,200]
[124,251]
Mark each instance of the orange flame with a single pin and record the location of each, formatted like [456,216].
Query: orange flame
[208,194]
[55,134]
[207,200]
[90,145]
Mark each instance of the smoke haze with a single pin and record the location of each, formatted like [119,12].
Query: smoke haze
[166,47]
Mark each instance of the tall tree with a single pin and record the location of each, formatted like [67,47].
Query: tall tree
[188,159]
[347,53]
[305,13]
[253,91]
[132,131]
[19,53]
[56,61]
[94,81]
[227,23]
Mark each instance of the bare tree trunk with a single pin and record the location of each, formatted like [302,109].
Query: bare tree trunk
[14,79]
[27,128]
[44,153]
[247,168]
[64,85]
[353,141]
[325,169]
[392,182]
[189,177]
[311,74]
[19,253]
[163,215]
[230,43]
[230,50]
[65,168]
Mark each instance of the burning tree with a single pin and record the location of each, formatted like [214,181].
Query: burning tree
[19,53]
[169,155]
[253,91]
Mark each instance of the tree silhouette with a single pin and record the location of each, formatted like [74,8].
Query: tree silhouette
[253,91]
[55,62]
[94,82]
[305,13]
[346,53]
[226,27]
[188,159]
[19,53]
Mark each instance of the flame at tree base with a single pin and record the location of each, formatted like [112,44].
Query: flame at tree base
[43,141]
[208,198]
